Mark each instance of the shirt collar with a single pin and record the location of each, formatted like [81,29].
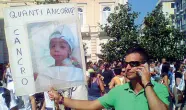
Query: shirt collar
[127,87]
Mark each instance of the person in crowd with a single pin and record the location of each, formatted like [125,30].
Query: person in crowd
[125,76]
[184,61]
[178,94]
[101,68]
[139,94]
[163,60]
[8,76]
[119,78]
[90,67]
[108,75]
[7,100]
[157,67]
[26,102]
[95,87]
[164,73]
[153,71]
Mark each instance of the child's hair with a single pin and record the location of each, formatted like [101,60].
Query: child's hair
[117,71]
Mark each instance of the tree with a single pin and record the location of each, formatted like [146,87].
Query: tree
[122,32]
[160,38]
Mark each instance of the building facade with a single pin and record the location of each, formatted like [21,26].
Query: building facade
[91,13]
[168,8]
[180,12]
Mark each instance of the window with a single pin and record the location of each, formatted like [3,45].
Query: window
[172,5]
[106,12]
[80,13]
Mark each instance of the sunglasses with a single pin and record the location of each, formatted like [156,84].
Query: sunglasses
[133,63]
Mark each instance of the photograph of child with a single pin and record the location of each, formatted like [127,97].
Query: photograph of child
[56,58]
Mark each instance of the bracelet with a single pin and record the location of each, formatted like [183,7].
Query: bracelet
[61,101]
[148,84]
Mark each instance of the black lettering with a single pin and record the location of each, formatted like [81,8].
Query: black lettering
[19,14]
[48,11]
[62,10]
[31,12]
[18,62]
[22,70]
[55,11]
[24,12]
[19,51]
[24,81]
[15,32]
[37,11]
[65,10]
[12,14]
[17,41]
[41,12]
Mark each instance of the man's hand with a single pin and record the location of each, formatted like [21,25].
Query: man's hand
[145,75]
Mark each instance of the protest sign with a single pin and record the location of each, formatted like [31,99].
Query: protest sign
[45,47]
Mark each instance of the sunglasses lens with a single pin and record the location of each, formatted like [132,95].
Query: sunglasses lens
[134,64]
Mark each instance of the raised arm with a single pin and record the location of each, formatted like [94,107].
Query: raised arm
[155,103]
[101,85]
[111,84]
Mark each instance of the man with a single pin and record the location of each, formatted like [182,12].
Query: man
[107,77]
[138,94]
[163,60]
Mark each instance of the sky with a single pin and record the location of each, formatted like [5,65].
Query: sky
[142,6]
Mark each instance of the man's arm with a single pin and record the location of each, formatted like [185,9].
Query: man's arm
[83,104]
[75,104]
[154,102]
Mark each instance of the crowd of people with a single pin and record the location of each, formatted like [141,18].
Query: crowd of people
[169,73]
[137,83]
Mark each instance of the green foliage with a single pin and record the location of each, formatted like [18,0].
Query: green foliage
[160,38]
[122,32]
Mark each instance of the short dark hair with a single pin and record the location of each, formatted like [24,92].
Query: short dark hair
[117,71]
[139,50]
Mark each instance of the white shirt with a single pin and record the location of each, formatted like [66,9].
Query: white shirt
[161,68]
[27,103]
[3,105]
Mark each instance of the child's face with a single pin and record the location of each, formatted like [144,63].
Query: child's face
[59,49]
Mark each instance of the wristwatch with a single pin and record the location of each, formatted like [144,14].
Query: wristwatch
[149,84]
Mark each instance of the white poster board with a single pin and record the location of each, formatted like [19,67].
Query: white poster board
[45,47]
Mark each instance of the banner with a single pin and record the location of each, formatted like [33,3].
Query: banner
[45,47]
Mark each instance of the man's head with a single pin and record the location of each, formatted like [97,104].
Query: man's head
[134,58]
[102,66]
[163,60]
